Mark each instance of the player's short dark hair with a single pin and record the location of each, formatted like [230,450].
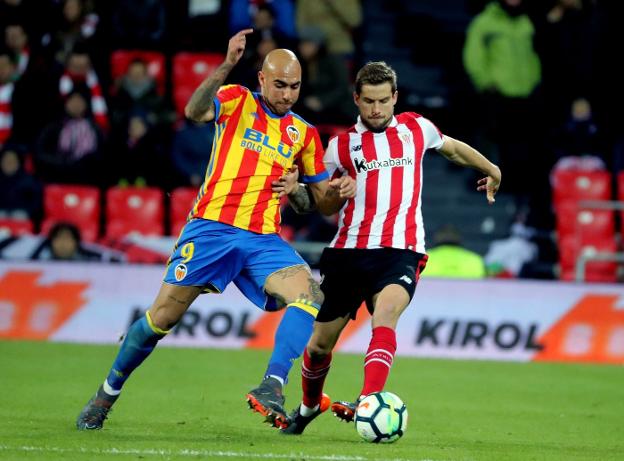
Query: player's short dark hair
[375,73]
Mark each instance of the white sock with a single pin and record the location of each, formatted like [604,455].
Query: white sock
[279,378]
[307,411]
[109,390]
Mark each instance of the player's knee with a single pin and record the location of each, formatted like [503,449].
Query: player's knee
[318,351]
[163,317]
[387,314]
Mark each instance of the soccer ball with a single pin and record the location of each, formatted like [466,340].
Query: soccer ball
[381,418]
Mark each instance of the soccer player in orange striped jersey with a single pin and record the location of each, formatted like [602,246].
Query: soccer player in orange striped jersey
[232,233]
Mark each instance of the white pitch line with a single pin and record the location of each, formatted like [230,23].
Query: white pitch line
[188,452]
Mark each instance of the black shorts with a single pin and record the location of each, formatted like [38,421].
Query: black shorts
[352,276]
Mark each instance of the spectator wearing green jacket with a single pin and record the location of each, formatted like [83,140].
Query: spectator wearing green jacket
[498,53]
[449,259]
[505,70]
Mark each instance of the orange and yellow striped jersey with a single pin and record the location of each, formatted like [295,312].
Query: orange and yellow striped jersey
[253,147]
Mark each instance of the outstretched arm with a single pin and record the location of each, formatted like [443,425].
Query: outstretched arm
[200,107]
[462,154]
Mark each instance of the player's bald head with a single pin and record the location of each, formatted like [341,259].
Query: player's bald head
[280,80]
[283,63]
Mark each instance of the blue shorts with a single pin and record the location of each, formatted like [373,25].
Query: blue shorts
[211,254]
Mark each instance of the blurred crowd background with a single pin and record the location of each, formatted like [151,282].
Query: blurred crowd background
[91,117]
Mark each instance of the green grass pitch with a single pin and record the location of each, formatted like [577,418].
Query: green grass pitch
[189,404]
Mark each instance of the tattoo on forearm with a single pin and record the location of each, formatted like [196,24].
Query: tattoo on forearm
[202,99]
[302,201]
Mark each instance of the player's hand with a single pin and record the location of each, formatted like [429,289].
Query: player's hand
[236,46]
[344,186]
[287,183]
[490,185]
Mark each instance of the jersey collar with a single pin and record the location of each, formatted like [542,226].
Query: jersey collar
[266,109]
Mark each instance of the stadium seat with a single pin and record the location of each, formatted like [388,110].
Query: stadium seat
[189,70]
[182,199]
[79,205]
[585,224]
[134,210]
[574,185]
[121,59]
[595,271]
[15,227]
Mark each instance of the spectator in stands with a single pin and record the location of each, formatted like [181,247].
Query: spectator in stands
[579,135]
[449,259]
[562,42]
[339,20]
[137,157]
[80,74]
[16,39]
[7,87]
[77,25]
[136,92]
[139,24]
[505,70]
[199,24]
[68,151]
[64,244]
[20,192]
[34,15]
[32,88]
[188,152]
[326,96]
[273,20]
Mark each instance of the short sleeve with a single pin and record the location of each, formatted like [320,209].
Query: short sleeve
[330,159]
[312,157]
[433,137]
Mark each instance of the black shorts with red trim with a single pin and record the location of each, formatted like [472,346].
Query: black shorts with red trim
[351,276]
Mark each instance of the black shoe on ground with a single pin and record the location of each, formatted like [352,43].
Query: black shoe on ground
[297,422]
[96,411]
[344,410]
[268,400]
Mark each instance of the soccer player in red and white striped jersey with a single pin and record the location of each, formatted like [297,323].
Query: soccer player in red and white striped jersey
[378,252]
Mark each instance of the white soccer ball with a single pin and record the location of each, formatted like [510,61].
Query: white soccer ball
[381,418]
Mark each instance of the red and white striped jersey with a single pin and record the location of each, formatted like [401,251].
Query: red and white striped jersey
[387,168]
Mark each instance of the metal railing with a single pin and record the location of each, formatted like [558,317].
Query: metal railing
[589,254]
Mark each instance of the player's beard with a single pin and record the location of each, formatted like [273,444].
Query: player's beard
[380,128]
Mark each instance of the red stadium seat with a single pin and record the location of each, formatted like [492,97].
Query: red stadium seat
[189,70]
[121,59]
[574,185]
[15,227]
[182,200]
[595,271]
[79,205]
[585,224]
[134,210]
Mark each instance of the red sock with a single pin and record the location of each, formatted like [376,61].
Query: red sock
[313,373]
[378,359]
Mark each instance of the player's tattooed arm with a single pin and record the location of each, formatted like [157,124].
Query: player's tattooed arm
[200,107]
[302,200]
[299,195]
